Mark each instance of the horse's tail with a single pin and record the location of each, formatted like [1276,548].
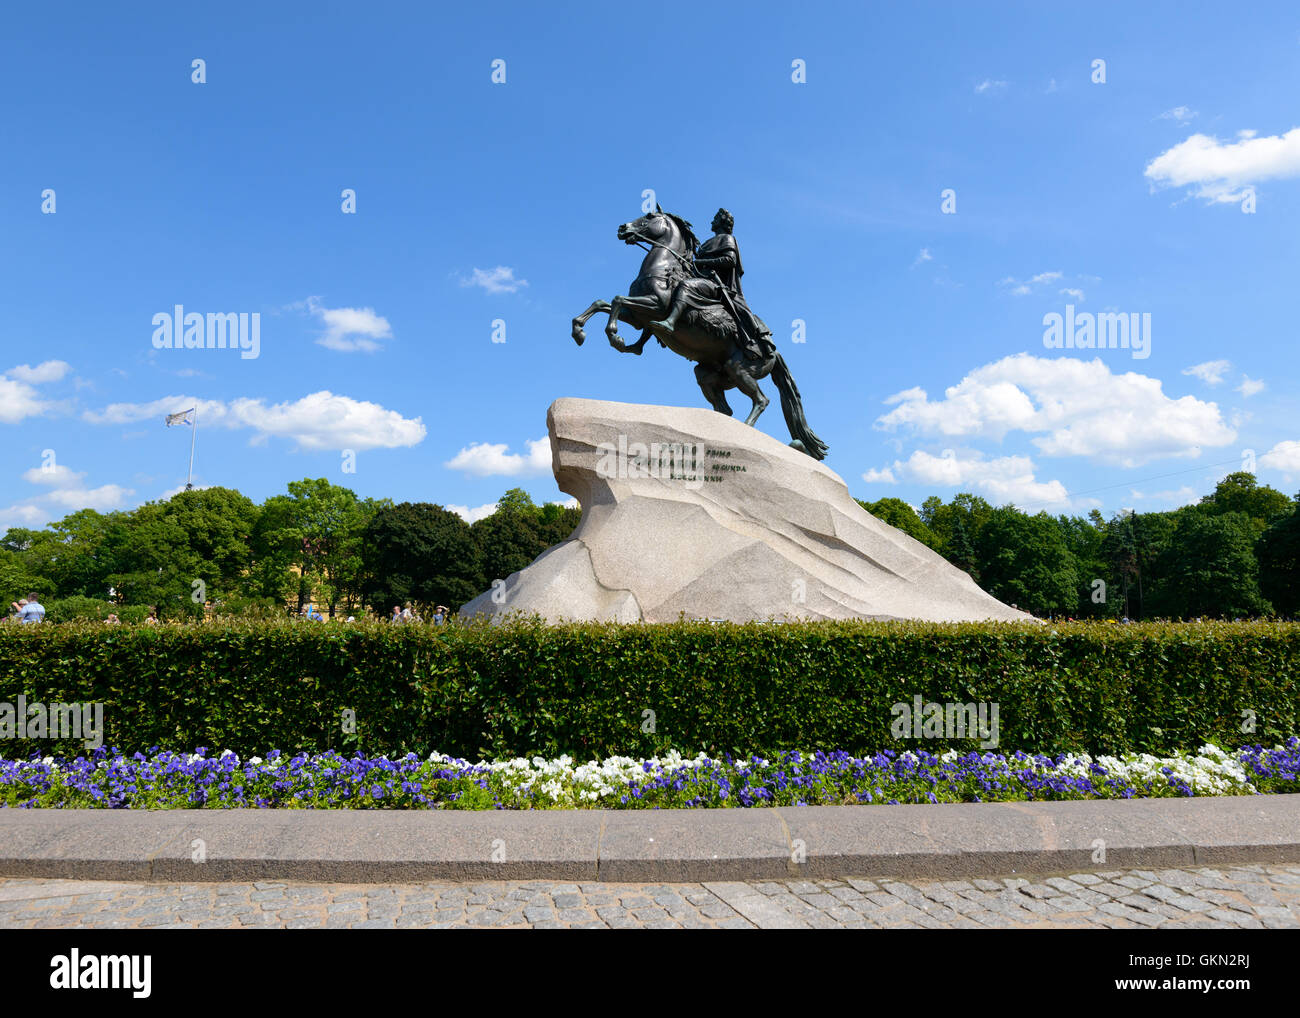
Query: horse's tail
[792,407]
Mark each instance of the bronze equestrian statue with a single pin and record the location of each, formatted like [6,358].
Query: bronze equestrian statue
[688,296]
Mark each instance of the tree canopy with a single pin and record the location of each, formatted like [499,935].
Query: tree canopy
[1235,552]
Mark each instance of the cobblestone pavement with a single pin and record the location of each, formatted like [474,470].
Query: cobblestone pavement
[1245,897]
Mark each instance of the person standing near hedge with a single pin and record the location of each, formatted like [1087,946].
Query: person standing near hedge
[33,610]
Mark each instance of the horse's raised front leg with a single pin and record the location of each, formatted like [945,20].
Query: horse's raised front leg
[597,306]
[617,308]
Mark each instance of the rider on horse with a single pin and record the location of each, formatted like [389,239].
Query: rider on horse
[718,261]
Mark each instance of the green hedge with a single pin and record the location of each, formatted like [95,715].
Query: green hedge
[524,689]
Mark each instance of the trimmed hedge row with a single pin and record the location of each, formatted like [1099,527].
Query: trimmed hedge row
[587,690]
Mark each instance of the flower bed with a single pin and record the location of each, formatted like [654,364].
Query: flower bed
[165,780]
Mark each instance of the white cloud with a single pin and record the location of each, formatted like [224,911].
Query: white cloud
[66,494]
[23,514]
[1180,113]
[103,498]
[1021,288]
[485,459]
[1073,293]
[18,396]
[989,85]
[1210,372]
[58,476]
[349,329]
[473,515]
[46,371]
[1075,407]
[1219,171]
[321,420]
[1003,479]
[1285,457]
[1250,386]
[499,280]
[924,256]
[885,476]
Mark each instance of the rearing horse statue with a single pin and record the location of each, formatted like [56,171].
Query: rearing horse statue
[708,336]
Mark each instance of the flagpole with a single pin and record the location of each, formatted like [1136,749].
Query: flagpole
[189,476]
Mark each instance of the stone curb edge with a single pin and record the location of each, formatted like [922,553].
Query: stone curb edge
[687,846]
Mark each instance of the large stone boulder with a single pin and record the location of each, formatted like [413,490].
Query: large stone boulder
[689,512]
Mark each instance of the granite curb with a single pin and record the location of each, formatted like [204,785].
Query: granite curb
[941,842]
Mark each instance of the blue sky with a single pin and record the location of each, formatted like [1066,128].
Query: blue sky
[924,365]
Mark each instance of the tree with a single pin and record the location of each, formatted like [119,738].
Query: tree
[1083,537]
[957,527]
[1279,564]
[1210,568]
[1134,546]
[516,500]
[898,513]
[218,524]
[507,542]
[513,536]
[276,552]
[153,563]
[179,552]
[556,523]
[1119,551]
[1241,493]
[25,564]
[315,530]
[1023,560]
[418,552]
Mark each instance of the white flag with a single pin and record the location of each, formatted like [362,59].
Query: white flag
[180,418]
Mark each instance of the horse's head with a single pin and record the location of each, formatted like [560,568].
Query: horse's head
[653,227]
[660,227]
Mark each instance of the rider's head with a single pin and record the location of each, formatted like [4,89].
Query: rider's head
[724,221]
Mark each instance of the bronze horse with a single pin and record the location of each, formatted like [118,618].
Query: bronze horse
[708,337]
